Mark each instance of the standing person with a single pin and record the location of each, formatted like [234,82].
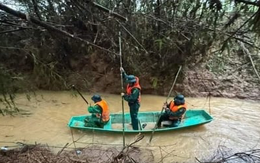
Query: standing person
[100,113]
[174,111]
[132,96]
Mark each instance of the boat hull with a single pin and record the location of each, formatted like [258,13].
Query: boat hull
[192,118]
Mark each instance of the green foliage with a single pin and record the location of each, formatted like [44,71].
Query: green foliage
[159,43]
[46,73]
[7,92]
[154,82]
[159,36]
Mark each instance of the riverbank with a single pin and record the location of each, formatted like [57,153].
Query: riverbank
[92,154]
[190,83]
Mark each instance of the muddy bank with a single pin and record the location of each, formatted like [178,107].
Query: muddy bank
[204,83]
[192,83]
[96,74]
[233,81]
[42,153]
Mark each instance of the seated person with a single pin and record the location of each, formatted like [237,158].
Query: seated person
[100,113]
[174,111]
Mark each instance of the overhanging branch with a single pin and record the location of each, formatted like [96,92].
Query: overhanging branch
[249,2]
[13,30]
[102,8]
[48,27]
[246,51]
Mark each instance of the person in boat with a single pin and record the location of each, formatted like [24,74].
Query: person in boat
[132,96]
[174,111]
[100,113]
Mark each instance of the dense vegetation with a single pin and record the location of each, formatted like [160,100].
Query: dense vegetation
[59,43]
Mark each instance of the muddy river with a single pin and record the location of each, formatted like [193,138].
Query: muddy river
[44,120]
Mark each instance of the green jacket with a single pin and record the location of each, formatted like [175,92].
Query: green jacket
[133,97]
[95,109]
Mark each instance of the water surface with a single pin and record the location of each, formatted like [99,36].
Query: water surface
[235,125]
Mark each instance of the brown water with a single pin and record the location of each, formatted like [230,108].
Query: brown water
[235,125]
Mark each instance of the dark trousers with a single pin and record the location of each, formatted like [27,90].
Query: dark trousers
[166,117]
[134,108]
[93,121]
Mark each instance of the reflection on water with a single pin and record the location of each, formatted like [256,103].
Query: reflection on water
[235,125]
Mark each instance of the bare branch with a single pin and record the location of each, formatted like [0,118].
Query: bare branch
[249,2]
[246,51]
[36,10]
[133,37]
[241,26]
[49,27]
[13,30]
[107,10]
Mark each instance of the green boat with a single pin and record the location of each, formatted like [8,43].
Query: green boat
[147,121]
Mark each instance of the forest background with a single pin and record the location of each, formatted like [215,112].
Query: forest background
[53,44]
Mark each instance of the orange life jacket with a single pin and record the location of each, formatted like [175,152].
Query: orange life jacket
[136,85]
[105,111]
[175,108]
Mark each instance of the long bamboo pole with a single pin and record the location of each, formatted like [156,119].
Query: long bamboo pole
[122,88]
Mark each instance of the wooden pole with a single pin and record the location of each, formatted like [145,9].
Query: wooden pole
[73,87]
[122,89]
